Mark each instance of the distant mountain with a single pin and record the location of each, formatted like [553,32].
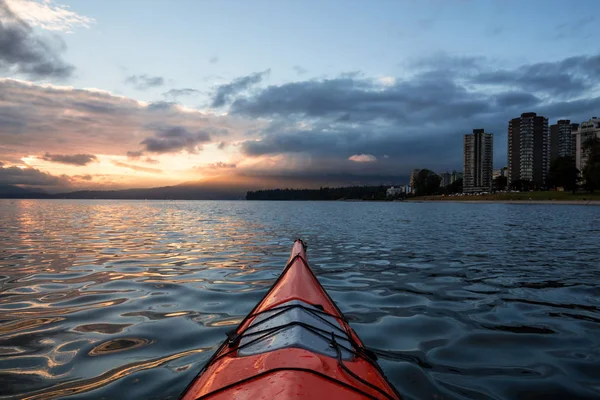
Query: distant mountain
[232,187]
[218,188]
[178,192]
[16,192]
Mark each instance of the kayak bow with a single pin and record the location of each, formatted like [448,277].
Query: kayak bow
[295,344]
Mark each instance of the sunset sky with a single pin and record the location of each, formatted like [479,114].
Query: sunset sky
[123,94]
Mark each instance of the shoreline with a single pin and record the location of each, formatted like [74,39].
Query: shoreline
[557,202]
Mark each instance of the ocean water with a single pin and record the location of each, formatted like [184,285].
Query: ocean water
[128,299]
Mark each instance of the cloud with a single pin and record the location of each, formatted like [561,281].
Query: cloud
[224,93]
[439,148]
[299,70]
[316,171]
[137,167]
[220,165]
[49,16]
[515,99]
[387,80]
[365,100]
[35,119]
[134,155]
[430,95]
[571,76]
[170,139]
[214,60]
[362,158]
[162,106]
[144,82]
[137,155]
[308,129]
[23,52]
[28,176]
[75,159]
[176,93]
[222,169]
[416,121]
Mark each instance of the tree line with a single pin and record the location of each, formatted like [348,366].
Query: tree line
[427,183]
[564,173]
[323,193]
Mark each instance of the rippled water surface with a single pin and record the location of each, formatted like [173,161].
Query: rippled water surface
[123,300]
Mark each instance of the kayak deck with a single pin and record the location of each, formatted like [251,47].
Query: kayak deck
[295,344]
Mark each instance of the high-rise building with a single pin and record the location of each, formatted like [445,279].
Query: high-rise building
[514,150]
[585,131]
[528,149]
[561,143]
[574,131]
[553,142]
[478,161]
[445,179]
[455,176]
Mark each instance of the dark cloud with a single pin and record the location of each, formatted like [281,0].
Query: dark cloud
[134,155]
[74,159]
[572,76]
[355,100]
[169,139]
[176,93]
[143,82]
[321,172]
[340,145]
[162,106]
[418,121]
[299,70]
[224,93]
[22,51]
[28,176]
[12,119]
[97,106]
[516,99]
[137,167]
[213,60]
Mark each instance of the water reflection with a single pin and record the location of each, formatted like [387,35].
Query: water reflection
[103,299]
[118,345]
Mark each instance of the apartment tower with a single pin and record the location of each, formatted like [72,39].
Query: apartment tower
[478,162]
[561,142]
[585,131]
[528,149]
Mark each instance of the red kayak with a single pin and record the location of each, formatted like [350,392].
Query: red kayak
[295,344]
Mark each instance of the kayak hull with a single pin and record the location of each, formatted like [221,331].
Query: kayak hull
[295,344]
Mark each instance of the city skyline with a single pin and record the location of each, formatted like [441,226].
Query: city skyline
[99,99]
